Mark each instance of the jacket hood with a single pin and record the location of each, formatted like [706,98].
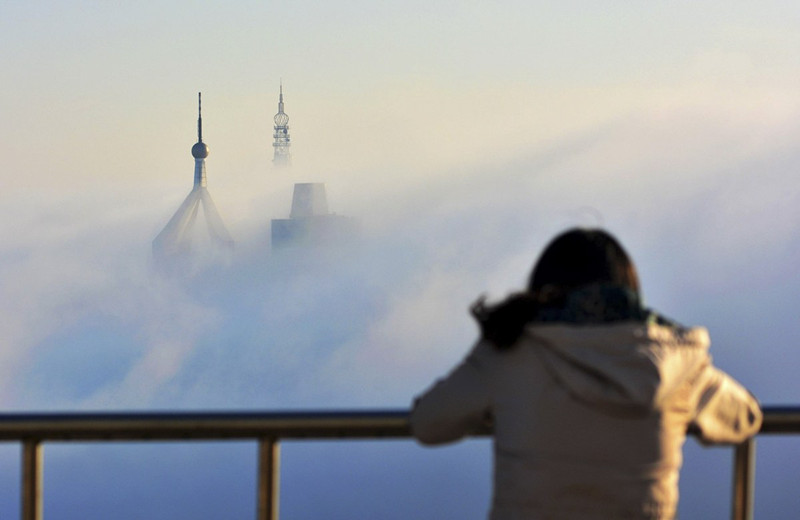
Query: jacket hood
[622,366]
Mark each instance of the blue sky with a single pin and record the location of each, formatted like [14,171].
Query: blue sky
[462,135]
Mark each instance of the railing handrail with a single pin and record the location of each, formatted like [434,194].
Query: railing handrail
[781,419]
[181,425]
[268,428]
[221,425]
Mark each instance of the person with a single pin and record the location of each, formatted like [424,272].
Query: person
[589,394]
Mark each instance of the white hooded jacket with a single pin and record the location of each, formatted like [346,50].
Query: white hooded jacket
[589,420]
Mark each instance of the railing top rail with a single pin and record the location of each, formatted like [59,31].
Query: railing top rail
[130,426]
[781,419]
[87,426]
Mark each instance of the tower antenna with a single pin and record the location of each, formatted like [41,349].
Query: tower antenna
[199,118]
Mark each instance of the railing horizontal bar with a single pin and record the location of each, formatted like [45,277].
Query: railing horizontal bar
[158,426]
[208,426]
[781,419]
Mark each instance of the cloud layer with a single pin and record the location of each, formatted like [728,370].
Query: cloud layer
[706,202]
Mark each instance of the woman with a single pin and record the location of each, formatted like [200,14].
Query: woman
[589,394]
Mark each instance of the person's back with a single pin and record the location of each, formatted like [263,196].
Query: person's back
[590,403]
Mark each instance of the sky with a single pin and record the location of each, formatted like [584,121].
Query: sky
[463,136]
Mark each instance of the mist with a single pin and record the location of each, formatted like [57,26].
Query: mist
[706,203]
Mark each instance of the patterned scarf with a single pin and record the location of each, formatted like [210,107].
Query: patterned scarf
[595,303]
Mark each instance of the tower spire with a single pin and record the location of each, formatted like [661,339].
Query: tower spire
[200,149]
[182,233]
[199,118]
[282,141]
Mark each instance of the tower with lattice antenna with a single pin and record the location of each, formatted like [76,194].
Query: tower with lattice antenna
[183,233]
[282,141]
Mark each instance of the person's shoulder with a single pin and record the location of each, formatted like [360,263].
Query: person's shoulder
[486,357]
[482,353]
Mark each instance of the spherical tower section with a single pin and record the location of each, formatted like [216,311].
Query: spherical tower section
[281,119]
[200,150]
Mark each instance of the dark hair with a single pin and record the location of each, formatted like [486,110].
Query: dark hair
[580,257]
[572,260]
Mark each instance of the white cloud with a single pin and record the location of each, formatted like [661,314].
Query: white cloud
[703,198]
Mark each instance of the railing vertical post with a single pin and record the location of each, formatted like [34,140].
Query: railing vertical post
[31,480]
[268,479]
[744,480]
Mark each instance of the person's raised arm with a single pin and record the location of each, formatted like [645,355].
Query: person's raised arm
[725,411]
[454,406]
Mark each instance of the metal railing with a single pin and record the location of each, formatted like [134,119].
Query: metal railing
[268,429]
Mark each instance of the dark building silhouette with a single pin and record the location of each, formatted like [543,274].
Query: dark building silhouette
[310,222]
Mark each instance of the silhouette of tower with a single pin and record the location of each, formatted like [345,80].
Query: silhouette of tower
[183,234]
[281,156]
[310,223]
